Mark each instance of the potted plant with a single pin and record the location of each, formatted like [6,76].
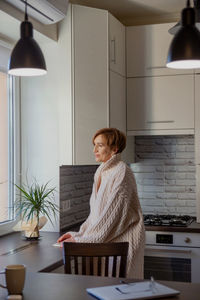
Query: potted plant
[34,201]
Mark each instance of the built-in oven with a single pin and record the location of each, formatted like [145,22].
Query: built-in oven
[172,256]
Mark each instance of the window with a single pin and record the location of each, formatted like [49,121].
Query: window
[6,148]
[7,143]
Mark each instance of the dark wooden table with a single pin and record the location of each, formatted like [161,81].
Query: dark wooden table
[47,286]
[42,256]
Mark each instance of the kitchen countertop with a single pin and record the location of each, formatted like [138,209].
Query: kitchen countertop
[38,256]
[193,227]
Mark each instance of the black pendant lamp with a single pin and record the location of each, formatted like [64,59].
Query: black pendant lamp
[26,58]
[173,30]
[184,51]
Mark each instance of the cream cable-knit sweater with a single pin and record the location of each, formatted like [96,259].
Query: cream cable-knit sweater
[115,213]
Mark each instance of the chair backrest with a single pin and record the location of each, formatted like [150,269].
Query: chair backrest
[101,259]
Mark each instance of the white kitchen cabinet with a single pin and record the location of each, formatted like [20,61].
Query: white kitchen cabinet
[160,105]
[146,49]
[117,116]
[98,95]
[117,46]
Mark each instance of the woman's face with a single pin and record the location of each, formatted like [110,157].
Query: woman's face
[101,150]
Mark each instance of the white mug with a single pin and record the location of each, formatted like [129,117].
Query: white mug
[15,278]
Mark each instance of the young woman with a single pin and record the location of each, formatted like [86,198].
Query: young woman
[115,212]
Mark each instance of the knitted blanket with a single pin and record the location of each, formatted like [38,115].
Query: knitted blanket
[115,213]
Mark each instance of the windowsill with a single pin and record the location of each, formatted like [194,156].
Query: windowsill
[7,227]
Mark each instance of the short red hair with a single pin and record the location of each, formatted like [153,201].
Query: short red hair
[114,137]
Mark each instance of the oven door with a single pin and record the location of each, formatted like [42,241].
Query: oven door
[172,263]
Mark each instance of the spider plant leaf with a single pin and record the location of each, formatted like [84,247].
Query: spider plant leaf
[36,199]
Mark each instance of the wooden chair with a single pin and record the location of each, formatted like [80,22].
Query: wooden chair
[95,258]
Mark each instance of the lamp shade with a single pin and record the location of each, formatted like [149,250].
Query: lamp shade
[27,58]
[184,51]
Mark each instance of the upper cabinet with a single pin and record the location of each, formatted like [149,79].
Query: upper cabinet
[98,93]
[117,46]
[146,48]
[160,105]
[117,116]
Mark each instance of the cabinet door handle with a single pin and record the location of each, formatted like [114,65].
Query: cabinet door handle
[168,250]
[161,121]
[113,50]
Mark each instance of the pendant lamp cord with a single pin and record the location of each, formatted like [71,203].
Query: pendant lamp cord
[26,15]
[197,4]
[188,3]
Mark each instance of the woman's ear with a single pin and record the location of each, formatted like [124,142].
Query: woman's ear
[114,150]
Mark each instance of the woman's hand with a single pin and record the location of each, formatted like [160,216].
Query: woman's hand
[67,237]
[64,237]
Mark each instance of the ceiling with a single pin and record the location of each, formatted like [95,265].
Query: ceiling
[135,12]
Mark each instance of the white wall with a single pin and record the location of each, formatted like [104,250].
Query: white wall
[46,114]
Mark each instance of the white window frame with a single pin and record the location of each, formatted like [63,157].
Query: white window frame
[15,154]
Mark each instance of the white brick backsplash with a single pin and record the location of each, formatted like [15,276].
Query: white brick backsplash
[148,210]
[173,203]
[165,174]
[139,176]
[185,182]
[191,176]
[142,168]
[172,175]
[146,195]
[153,188]
[185,155]
[150,162]
[190,203]
[149,202]
[187,196]
[164,210]
[154,181]
[176,175]
[166,196]
[170,169]
[186,169]
[186,140]
[167,141]
[177,162]
[148,149]
[155,155]
[139,188]
[160,169]
[178,189]
[190,189]
[187,210]
[170,182]
[189,148]
[173,211]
